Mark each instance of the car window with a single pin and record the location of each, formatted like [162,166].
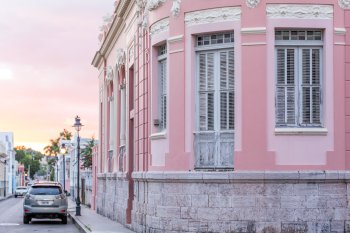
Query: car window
[22,188]
[45,190]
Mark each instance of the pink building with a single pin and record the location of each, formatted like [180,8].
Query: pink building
[225,116]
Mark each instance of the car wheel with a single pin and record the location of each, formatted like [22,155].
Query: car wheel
[64,220]
[25,220]
[15,196]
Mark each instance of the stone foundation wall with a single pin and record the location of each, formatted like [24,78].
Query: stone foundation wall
[112,196]
[242,202]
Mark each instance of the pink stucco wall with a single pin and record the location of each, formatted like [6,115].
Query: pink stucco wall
[257,145]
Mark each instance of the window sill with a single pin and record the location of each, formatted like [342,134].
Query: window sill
[157,136]
[301,131]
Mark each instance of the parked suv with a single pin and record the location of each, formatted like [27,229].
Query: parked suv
[45,200]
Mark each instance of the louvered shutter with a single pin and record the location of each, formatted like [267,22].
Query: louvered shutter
[226,90]
[206,91]
[285,87]
[162,93]
[311,89]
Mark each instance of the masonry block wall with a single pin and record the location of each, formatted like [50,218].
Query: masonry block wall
[112,196]
[242,202]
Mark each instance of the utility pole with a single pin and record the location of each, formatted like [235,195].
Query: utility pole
[5,178]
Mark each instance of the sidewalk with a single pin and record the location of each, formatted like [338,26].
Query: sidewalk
[5,198]
[91,222]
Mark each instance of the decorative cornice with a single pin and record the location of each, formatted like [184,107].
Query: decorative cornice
[345,4]
[213,15]
[252,3]
[160,26]
[299,11]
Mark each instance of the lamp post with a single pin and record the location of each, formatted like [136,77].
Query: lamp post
[63,152]
[77,125]
[5,178]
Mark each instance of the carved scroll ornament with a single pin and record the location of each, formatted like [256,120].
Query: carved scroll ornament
[344,4]
[252,3]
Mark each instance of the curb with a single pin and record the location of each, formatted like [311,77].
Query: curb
[78,223]
[5,198]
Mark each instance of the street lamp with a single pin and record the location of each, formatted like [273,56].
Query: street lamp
[77,125]
[63,152]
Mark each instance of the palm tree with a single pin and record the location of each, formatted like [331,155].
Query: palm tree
[87,153]
[53,149]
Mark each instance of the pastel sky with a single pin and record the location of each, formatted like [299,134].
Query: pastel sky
[46,77]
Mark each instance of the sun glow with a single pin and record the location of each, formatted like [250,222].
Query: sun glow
[6,74]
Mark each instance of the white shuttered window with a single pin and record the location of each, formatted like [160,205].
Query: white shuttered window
[162,84]
[299,78]
[215,101]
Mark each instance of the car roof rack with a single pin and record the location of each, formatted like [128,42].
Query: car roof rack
[46,182]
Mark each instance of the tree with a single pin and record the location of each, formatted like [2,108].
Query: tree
[87,154]
[29,158]
[53,149]
[66,135]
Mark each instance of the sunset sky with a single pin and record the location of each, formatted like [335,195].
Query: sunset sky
[46,77]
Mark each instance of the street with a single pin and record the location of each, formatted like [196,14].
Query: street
[11,220]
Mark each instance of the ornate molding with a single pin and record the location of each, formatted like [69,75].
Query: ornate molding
[154,4]
[213,15]
[296,11]
[120,57]
[345,4]
[252,3]
[109,71]
[160,26]
[146,6]
[175,9]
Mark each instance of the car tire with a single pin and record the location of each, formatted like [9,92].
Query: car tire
[64,220]
[26,220]
[15,196]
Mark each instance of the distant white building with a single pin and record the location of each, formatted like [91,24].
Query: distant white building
[71,171]
[6,138]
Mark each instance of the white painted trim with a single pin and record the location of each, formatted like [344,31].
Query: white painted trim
[254,43]
[340,31]
[160,135]
[175,38]
[176,51]
[340,43]
[301,131]
[254,30]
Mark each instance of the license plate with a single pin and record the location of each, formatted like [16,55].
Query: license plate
[44,203]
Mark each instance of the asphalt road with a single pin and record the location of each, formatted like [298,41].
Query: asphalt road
[11,220]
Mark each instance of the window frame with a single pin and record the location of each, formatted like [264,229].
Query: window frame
[298,46]
[229,46]
[162,57]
